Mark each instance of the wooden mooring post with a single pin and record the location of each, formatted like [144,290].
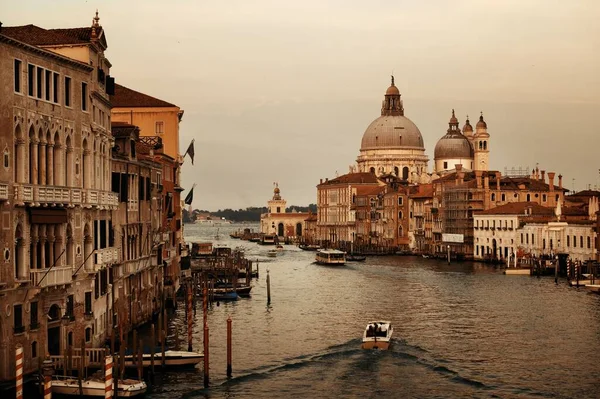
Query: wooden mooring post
[152,346]
[268,288]
[164,338]
[108,376]
[81,367]
[206,356]
[189,316]
[19,370]
[229,347]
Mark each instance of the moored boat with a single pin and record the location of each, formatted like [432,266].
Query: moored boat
[94,386]
[309,247]
[272,253]
[331,257]
[268,239]
[377,335]
[172,359]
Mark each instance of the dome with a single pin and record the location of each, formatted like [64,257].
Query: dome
[392,91]
[392,131]
[467,127]
[481,124]
[453,146]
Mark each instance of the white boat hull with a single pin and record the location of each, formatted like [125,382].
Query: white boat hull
[70,386]
[383,344]
[172,359]
[379,337]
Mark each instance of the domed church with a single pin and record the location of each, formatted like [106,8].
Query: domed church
[464,148]
[392,144]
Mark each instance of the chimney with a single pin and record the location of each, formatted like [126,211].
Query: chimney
[498,176]
[478,178]
[551,181]
[560,182]
[543,176]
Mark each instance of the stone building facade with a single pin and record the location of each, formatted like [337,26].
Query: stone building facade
[55,190]
[286,225]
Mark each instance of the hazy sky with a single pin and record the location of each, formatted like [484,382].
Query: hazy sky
[283,91]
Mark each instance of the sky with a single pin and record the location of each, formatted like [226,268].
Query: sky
[282,91]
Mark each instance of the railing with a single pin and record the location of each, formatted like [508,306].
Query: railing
[94,357]
[3,191]
[55,276]
[105,256]
[62,195]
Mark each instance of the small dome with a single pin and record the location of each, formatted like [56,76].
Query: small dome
[392,131]
[453,146]
[392,91]
[276,191]
[467,127]
[481,124]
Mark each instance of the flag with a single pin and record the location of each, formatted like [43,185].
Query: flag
[190,151]
[190,197]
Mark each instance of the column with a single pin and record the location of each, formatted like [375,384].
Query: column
[42,163]
[33,162]
[20,160]
[50,165]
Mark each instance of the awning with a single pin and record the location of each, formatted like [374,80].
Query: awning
[48,216]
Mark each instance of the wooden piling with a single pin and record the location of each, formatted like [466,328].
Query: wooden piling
[81,367]
[19,370]
[134,348]
[164,338]
[140,362]
[152,346]
[268,288]
[229,346]
[122,356]
[189,317]
[108,378]
[205,355]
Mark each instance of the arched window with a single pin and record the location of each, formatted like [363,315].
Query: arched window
[493,197]
[396,171]
[32,156]
[85,164]
[405,173]
[400,215]
[485,145]
[57,162]
[69,164]
[372,170]
[480,145]
[589,242]
[503,197]
[400,231]
[34,350]
[528,197]
[88,334]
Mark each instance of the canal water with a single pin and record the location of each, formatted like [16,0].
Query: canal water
[460,330]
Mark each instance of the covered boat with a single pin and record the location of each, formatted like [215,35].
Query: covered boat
[94,386]
[331,257]
[172,359]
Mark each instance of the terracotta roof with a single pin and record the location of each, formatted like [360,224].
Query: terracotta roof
[513,183]
[424,191]
[128,98]
[37,36]
[369,190]
[83,35]
[354,178]
[518,208]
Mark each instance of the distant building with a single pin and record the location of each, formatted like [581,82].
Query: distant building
[286,225]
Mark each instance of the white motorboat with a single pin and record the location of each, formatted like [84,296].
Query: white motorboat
[377,335]
[172,359]
[331,257]
[272,253]
[94,386]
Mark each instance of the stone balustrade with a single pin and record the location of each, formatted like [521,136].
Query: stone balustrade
[3,191]
[39,194]
[55,276]
[105,256]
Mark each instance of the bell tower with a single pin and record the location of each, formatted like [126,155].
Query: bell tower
[481,147]
[276,205]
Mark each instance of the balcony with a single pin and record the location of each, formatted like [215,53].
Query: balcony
[3,191]
[52,195]
[56,276]
[105,257]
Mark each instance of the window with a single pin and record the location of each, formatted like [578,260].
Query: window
[589,242]
[88,334]
[48,81]
[34,349]
[445,165]
[278,209]
[503,197]
[39,82]
[31,80]
[400,215]
[580,241]
[160,127]
[568,241]
[33,315]
[6,158]
[67,91]
[84,96]
[533,239]
[574,241]
[400,201]
[70,308]
[55,88]
[544,198]
[18,318]
[493,197]
[528,197]
[88,302]
[18,76]
[521,238]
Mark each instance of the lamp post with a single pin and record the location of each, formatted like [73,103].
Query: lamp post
[448,253]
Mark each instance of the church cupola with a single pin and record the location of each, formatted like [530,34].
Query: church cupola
[392,104]
[467,128]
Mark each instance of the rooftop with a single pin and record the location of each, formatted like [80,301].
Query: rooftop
[125,97]
[354,178]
